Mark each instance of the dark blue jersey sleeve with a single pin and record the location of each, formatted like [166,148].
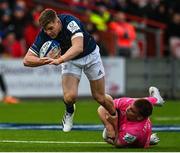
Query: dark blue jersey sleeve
[39,41]
[73,25]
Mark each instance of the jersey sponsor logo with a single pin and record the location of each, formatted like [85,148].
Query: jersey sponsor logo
[64,67]
[129,138]
[100,73]
[73,26]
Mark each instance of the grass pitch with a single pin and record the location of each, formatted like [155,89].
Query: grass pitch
[51,112]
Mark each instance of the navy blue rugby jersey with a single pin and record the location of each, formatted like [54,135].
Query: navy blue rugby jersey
[70,26]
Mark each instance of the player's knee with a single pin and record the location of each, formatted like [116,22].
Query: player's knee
[70,98]
[99,110]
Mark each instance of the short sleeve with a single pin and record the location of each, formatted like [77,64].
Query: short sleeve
[73,25]
[126,138]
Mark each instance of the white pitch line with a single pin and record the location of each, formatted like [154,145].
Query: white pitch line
[167,118]
[49,142]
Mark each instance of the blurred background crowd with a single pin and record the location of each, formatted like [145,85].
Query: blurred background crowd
[145,32]
[127,28]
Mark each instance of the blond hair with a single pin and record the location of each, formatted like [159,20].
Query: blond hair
[47,16]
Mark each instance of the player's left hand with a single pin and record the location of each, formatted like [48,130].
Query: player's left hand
[57,61]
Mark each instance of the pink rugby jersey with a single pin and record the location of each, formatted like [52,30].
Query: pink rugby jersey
[131,133]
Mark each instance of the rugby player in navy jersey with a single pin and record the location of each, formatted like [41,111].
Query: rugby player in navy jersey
[79,52]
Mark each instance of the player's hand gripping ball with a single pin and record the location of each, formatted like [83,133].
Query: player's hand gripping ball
[50,49]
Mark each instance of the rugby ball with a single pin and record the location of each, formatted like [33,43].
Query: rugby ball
[50,49]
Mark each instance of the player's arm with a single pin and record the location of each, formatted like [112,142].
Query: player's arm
[125,139]
[73,51]
[32,60]
[113,120]
[114,142]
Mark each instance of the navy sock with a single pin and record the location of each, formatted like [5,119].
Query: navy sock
[69,108]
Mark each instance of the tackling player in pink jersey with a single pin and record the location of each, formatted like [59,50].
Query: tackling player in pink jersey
[133,128]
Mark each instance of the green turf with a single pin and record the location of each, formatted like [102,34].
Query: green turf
[46,112]
[166,144]
[52,111]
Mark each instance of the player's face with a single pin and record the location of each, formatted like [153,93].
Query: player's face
[132,113]
[53,28]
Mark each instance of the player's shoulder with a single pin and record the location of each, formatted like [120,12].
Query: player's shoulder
[65,18]
[121,103]
[42,32]
[42,36]
[124,100]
